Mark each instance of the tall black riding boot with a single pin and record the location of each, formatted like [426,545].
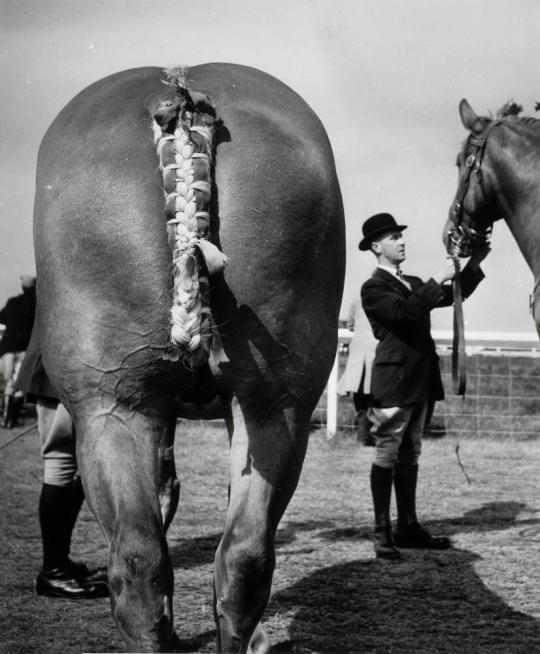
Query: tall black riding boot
[12,409]
[381,491]
[409,532]
[60,577]
[405,480]
[58,510]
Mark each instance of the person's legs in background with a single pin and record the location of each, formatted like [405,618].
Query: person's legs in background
[60,501]
[13,399]
[2,383]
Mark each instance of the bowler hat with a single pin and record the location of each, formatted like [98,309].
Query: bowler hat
[377,225]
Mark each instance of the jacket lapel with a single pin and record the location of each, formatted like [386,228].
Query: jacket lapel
[392,280]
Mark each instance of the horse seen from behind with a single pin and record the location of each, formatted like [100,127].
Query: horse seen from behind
[148,183]
[499,173]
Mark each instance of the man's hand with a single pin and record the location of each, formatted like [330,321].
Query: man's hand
[445,273]
[479,253]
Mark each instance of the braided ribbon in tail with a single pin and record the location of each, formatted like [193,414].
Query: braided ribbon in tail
[184,125]
[459,365]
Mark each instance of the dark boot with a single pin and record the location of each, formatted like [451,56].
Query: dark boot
[409,532]
[10,412]
[59,507]
[381,491]
[405,480]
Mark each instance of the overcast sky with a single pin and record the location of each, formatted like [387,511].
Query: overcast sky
[384,76]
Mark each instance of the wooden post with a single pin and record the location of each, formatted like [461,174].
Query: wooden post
[332,400]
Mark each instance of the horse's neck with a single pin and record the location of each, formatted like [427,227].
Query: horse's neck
[518,192]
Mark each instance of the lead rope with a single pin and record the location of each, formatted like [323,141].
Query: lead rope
[19,435]
[459,364]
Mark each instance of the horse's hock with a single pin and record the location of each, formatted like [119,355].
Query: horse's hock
[501,399]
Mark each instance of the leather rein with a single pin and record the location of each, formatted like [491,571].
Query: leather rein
[461,241]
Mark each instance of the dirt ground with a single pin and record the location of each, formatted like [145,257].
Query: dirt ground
[329,593]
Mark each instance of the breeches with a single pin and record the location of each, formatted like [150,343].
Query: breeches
[398,433]
[57,442]
[11,364]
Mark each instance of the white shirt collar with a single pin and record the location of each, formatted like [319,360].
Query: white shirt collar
[391,269]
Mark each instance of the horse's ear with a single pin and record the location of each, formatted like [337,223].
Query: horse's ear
[469,119]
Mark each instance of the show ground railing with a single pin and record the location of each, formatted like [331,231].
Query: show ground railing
[524,344]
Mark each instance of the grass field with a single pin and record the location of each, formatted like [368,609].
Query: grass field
[329,594]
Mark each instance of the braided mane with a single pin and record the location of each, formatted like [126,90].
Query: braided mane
[184,126]
[509,108]
[513,110]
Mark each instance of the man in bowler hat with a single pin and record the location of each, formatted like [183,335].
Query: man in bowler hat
[406,380]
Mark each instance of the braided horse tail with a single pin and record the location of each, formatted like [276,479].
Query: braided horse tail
[184,126]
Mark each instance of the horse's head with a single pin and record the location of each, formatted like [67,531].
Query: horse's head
[472,213]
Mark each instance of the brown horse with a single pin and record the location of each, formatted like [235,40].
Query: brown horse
[499,169]
[137,331]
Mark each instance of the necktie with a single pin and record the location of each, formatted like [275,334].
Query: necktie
[399,274]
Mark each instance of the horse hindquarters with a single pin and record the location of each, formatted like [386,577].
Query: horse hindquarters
[127,485]
[276,307]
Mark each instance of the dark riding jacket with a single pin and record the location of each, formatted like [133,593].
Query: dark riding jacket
[406,367]
[18,317]
[32,378]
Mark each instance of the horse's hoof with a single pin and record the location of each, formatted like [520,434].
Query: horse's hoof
[259,643]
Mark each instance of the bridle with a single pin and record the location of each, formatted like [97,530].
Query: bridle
[462,238]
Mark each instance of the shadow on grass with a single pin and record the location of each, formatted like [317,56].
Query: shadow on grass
[430,602]
[491,516]
[194,644]
[426,604]
[191,552]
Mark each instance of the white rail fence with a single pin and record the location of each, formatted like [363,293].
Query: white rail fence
[522,343]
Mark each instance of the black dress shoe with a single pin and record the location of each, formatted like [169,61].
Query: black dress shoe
[84,575]
[384,545]
[60,582]
[96,576]
[416,536]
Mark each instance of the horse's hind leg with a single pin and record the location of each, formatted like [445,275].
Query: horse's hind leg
[267,452]
[169,484]
[118,452]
